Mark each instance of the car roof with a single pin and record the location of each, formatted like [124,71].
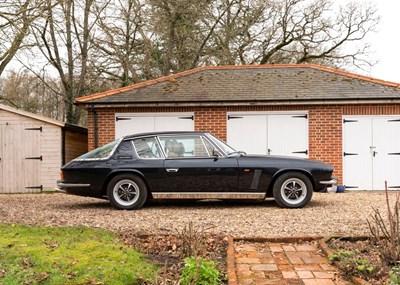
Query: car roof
[163,133]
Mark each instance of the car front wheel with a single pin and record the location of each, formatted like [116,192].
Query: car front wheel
[127,192]
[292,190]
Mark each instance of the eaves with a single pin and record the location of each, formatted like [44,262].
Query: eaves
[240,103]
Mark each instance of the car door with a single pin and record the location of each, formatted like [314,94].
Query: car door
[190,166]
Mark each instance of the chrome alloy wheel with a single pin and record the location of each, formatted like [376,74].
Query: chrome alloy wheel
[126,192]
[293,191]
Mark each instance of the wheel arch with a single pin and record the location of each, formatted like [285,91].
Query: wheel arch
[111,175]
[283,171]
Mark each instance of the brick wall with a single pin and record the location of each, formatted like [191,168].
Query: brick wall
[325,136]
[211,120]
[325,124]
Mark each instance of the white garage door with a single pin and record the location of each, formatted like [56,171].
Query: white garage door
[269,133]
[133,123]
[371,152]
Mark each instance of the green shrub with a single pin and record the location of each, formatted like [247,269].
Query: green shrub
[200,272]
[351,265]
[340,255]
[394,276]
[363,266]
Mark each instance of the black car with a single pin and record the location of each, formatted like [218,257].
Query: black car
[189,165]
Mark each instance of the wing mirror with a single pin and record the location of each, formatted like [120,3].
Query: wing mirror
[216,153]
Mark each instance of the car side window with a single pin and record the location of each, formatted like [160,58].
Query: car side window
[125,149]
[147,147]
[184,146]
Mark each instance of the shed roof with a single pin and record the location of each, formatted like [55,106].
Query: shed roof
[249,84]
[31,115]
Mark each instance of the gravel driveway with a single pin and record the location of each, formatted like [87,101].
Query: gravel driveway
[327,214]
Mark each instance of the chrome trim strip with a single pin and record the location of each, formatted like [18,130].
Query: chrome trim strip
[333,181]
[207,195]
[71,185]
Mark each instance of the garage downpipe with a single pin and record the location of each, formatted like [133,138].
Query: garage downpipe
[96,138]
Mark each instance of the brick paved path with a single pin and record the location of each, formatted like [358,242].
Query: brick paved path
[283,263]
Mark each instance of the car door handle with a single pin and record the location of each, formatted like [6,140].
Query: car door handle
[172,169]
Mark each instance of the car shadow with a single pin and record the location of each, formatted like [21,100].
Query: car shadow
[194,204]
[92,204]
[175,203]
[208,203]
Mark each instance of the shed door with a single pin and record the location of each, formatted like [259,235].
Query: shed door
[32,159]
[275,134]
[371,152]
[129,123]
[21,159]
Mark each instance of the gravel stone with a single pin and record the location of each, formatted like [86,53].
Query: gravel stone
[327,214]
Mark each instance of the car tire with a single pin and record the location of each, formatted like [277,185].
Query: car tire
[292,190]
[127,192]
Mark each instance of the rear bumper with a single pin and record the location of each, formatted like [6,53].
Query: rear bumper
[62,185]
[81,189]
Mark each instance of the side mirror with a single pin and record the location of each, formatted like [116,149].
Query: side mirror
[216,153]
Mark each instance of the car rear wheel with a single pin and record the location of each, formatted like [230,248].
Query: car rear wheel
[127,192]
[292,190]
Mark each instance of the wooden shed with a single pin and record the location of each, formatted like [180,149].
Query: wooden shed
[33,148]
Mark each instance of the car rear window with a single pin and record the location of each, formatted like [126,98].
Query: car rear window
[102,152]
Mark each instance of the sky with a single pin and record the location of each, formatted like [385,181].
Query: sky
[385,43]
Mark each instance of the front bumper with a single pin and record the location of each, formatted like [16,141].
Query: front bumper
[332,181]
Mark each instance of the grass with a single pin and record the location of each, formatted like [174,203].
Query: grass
[62,255]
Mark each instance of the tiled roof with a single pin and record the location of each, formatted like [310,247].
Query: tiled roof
[250,83]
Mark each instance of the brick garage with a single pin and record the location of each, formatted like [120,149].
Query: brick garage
[210,94]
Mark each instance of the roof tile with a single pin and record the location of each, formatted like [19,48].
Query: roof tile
[250,83]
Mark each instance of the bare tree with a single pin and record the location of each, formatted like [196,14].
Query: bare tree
[29,92]
[121,45]
[16,18]
[63,39]
[179,33]
[141,39]
[92,46]
[294,31]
